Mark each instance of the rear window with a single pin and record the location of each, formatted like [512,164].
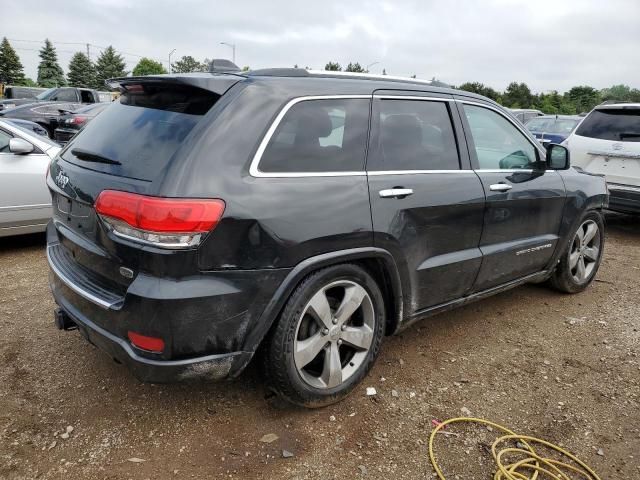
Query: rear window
[612,124]
[137,136]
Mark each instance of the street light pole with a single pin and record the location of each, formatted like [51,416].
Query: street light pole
[170,53]
[370,65]
[233,49]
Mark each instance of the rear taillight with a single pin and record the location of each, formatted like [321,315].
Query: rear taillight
[77,120]
[163,222]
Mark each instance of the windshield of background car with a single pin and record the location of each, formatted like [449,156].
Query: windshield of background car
[138,134]
[46,94]
[616,124]
[552,125]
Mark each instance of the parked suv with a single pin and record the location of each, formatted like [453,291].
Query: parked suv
[608,142]
[205,217]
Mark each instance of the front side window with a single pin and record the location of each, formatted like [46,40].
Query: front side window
[4,141]
[319,136]
[498,143]
[617,124]
[414,135]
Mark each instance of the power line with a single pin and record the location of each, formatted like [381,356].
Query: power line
[100,47]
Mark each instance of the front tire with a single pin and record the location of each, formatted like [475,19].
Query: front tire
[327,337]
[581,259]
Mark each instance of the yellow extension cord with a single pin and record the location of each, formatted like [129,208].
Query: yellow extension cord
[527,468]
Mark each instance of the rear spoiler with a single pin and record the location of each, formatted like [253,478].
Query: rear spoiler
[217,83]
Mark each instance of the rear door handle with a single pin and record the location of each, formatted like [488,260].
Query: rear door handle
[396,192]
[500,187]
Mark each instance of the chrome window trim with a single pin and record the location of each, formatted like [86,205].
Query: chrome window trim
[414,172]
[526,134]
[507,170]
[413,97]
[254,169]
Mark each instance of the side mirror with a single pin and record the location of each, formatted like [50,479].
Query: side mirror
[20,146]
[557,157]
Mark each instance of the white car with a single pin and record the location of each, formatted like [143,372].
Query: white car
[607,142]
[25,201]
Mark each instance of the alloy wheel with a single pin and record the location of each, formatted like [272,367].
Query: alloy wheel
[585,251]
[334,334]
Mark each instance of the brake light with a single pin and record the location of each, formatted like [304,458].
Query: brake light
[164,222]
[150,344]
[77,120]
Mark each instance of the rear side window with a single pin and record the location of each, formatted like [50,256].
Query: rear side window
[138,135]
[319,136]
[414,135]
[621,125]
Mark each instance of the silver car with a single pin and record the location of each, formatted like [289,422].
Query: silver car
[25,202]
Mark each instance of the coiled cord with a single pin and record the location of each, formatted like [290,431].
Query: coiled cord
[527,468]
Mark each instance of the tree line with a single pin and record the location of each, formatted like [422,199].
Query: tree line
[578,99]
[82,72]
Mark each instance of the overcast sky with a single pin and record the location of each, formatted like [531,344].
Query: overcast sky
[549,44]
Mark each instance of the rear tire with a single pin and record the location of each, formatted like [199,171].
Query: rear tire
[581,259]
[327,337]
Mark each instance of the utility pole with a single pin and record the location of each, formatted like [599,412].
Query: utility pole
[170,53]
[88,52]
[233,49]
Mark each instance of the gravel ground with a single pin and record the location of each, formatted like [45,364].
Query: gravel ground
[564,368]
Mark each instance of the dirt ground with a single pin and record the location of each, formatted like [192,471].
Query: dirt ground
[564,368]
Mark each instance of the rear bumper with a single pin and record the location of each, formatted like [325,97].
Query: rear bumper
[63,135]
[624,198]
[207,321]
[210,367]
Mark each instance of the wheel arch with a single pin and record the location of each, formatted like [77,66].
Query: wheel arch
[378,262]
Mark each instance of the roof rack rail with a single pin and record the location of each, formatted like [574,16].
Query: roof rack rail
[279,72]
[370,76]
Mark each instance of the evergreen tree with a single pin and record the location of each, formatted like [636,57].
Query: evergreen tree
[147,66]
[109,65]
[50,73]
[333,67]
[81,71]
[11,71]
[188,64]
[354,67]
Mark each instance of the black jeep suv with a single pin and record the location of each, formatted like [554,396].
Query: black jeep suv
[309,214]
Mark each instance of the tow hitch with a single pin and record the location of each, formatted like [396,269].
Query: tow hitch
[63,321]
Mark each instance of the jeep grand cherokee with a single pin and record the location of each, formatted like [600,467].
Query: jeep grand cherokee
[307,213]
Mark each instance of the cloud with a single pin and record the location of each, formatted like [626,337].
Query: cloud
[546,43]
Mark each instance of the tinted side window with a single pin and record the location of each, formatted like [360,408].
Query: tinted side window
[319,136]
[612,124]
[498,143]
[86,96]
[414,135]
[4,141]
[66,95]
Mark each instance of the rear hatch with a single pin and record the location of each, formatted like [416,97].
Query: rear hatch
[125,149]
[608,142]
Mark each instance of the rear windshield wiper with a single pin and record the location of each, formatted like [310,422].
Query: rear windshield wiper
[93,157]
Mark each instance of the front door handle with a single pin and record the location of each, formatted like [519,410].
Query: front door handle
[396,192]
[500,187]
